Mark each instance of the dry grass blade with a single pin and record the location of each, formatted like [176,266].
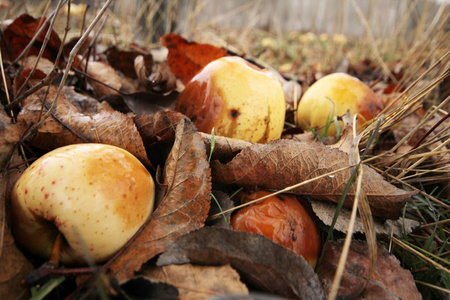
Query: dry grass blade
[360,204]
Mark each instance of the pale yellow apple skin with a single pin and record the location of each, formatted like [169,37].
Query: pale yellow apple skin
[237,99]
[347,93]
[96,195]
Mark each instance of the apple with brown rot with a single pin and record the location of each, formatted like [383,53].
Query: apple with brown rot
[96,196]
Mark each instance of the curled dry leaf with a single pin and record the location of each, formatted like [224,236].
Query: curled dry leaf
[185,193]
[258,260]
[20,32]
[284,163]
[68,126]
[199,282]
[389,281]
[186,59]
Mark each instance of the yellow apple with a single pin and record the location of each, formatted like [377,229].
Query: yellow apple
[346,93]
[97,196]
[235,98]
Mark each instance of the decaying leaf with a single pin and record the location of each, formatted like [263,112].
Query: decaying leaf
[258,260]
[199,282]
[186,59]
[185,193]
[9,136]
[20,32]
[283,163]
[69,126]
[389,281]
[325,212]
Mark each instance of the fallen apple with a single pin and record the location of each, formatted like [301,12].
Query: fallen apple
[97,196]
[284,220]
[341,92]
[237,99]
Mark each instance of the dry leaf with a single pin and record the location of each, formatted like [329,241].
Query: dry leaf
[13,268]
[13,264]
[104,73]
[123,61]
[389,281]
[199,282]
[145,103]
[258,260]
[283,163]
[185,193]
[186,59]
[20,32]
[69,126]
[159,127]
[325,212]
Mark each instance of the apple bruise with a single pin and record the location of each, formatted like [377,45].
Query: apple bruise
[96,195]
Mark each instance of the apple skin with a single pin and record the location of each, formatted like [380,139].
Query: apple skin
[96,195]
[347,92]
[284,220]
[235,98]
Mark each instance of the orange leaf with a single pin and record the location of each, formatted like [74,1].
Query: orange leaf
[186,59]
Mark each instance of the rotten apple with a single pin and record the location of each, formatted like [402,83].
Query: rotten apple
[339,92]
[97,196]
[237,99]
[284,220]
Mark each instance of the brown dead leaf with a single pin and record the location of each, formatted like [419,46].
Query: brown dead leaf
[69,126]
[13,264]
[325,212]
[258,260]
[185,193]
[20,32]
[199,282]
[13,267]
[123,61]
[389,281]
[283,163]
[159,127]
[186,59]
[104,73]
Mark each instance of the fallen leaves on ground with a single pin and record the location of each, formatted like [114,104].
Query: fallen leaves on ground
[68,126]
[259,261]
[185,201]
[283,163]
[20,32]
[389,281]
[199,282]
[186,59]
